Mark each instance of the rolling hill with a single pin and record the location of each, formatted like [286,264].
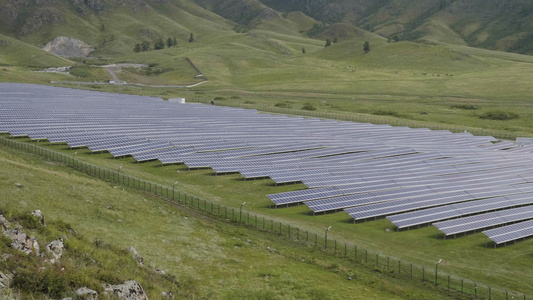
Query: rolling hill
[492,24]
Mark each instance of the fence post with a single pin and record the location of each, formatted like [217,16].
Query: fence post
[345,250]
[399,266]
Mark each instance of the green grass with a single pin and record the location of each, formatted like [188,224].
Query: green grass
[464,257]
[394,80]
[210,258]
[16,53]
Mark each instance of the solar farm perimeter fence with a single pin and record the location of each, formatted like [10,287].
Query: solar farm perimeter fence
[502,134]
[350,251]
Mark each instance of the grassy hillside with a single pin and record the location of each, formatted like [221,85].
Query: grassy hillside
[210,258]
[492,24]
[110,28]
[16,53]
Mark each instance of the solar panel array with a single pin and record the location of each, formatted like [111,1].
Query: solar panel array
[411,176]
[510,233]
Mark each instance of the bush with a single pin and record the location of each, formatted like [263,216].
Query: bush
[28,221]
[48,281]
[282,105]
[308,106]
[386,113]
[152,71]
[81,72]
[499,115]
[464,106]
[220,98]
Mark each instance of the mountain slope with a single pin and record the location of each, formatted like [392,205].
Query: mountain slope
[16,53]
[491,24]
[111,27]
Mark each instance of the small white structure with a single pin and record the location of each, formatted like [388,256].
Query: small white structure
[177,100]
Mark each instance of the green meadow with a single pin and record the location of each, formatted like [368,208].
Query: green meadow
[203,257]
[424,84]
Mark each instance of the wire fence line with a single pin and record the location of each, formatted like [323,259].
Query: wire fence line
[362,118]
[349,250]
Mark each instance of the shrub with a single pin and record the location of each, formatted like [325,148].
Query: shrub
[249,102]
[47,281]
[282,105]
[386,113]
[464,106]
[82,72]
[308,106]
[28,221]
[499,115]
[220,98]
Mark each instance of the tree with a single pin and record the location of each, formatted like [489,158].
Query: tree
[303,50]
[137,48]
[335,40]
[169,42]
[366,47]
[159,44]
[328,43]
[174,42]
[145,46]
[191,38]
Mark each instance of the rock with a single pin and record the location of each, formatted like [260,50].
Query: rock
[39,215]
[5,280]
[56,249]
[4,223]
[6,256]
[68,47]
[72,231]
[87,293]
[19,239]
[168,295]
[129,290]
[135,255]
[18,185]
[36,246]
[159,271]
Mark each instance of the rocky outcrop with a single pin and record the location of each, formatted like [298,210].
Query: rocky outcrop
[135,255]
[5,280]
[19,239]
[55,248]
[41,19]
[65,46]
[86,294]
[39,215]
[129,290]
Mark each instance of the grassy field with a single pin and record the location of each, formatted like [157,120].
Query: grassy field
[464,257]
[210,258]
[433,83]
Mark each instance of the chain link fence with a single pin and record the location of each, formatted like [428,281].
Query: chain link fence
[351,251]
